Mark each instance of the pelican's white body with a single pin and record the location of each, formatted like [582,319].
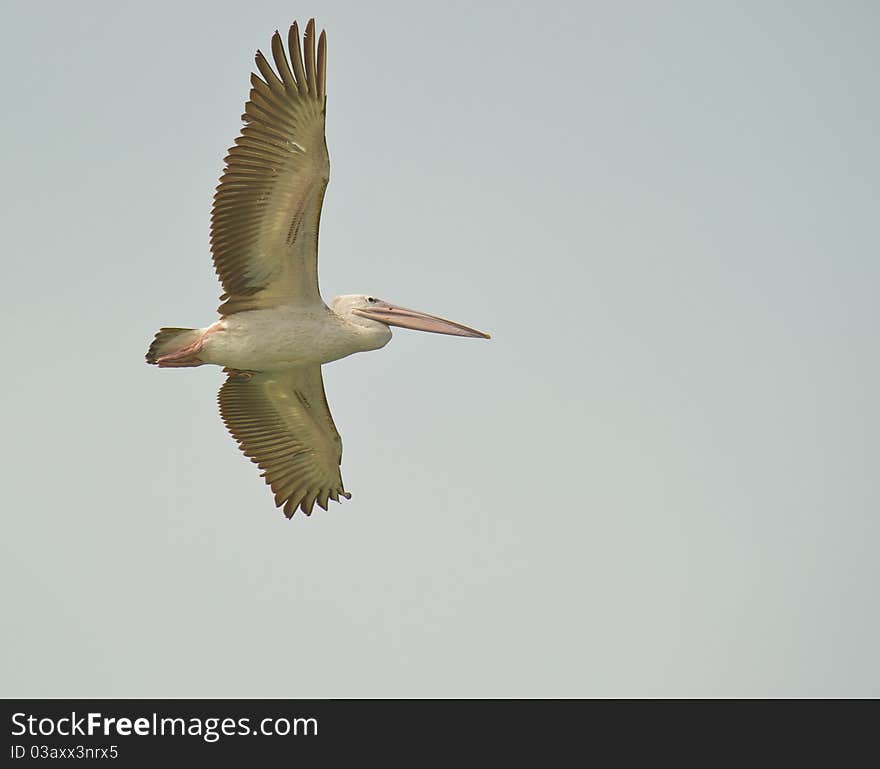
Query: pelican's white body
[285,336]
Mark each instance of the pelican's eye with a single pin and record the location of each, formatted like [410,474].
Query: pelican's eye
[372,299]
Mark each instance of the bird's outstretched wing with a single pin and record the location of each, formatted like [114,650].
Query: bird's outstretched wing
[264,225]
[281,420]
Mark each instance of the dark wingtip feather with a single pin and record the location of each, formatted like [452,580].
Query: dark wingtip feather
[322,64]
[309,42]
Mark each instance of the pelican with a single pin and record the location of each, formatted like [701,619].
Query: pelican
[275,331]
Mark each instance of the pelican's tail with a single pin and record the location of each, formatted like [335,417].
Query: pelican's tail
[176,347]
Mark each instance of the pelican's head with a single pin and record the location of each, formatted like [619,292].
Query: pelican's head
[367,310]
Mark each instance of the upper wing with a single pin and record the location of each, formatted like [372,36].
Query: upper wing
[281,420]
[264,225]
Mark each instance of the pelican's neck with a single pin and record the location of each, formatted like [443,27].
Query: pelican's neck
[365,333]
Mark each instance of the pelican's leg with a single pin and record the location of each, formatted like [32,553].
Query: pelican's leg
[240,373]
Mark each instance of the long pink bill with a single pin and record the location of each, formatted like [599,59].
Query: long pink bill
[392,315]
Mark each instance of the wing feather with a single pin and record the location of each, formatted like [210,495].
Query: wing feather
[281,421]
[309,40]
[267,208]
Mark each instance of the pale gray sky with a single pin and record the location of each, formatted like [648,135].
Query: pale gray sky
[660,477]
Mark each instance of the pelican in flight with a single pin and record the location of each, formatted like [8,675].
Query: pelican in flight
[275,331]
